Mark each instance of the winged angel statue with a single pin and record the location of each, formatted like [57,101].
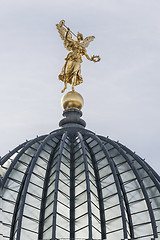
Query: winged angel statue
[71,71]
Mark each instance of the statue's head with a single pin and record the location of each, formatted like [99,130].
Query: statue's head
[79,37]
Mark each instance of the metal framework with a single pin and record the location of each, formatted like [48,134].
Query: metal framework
[73,184]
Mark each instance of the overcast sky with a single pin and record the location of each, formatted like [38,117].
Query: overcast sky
[121,92]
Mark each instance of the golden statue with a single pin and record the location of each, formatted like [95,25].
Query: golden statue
[71,72]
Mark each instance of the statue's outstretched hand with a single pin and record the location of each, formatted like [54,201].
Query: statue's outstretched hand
[95,58]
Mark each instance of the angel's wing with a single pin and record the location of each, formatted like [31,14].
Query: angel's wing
[87,41]
[62,32]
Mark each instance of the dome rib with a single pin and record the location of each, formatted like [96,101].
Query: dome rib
[28,144]
[153,175]
[8,155]
[18,200]
[56,184]
[26,183]
[72,191]
[87,184]
[99,191]
[146,197]
[44,193]
[97,139]
[126,205]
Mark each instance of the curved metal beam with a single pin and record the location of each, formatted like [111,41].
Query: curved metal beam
[87,184]
[56,185]
[44,194]
[96,138]
[29,144]
[34,160]
[8,155]
[17,203]
[72,193]
[121,151]
[153,175]
[99,191]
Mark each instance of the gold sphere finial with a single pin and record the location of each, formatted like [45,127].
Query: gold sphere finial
[72,100]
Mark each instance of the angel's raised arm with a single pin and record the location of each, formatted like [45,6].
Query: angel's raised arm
[63,32]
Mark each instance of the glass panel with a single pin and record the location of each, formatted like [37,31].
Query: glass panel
[29,224]
[142,173]
[62,223]
[138,206]
[8,207]
[132,185]
[96,148]
[66,153]
[143,230]
[126,176]
[51,186]
[103,172]
[153,191]
[28,235]
[35,189]
[9,195]
[6,231]
[47,234]
[63,210]
[82,209]
[116,235]
[99,155]
[60,233]
[123,167]
[96,234]
[93,189]
[80,188]
[63,187]
[81,222]
[44,155]
[109,190]
[148,182]
[12,184]
[156,203]
[50,199]
[111,201]
[31,212]
[112,212]
[114,152]
[114,224]
[142,218]
[48,210]
[17,175]
[48,222]
[135,195]
[83,233]
[30,199]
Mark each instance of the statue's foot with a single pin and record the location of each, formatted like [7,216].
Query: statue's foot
[64,89]
[65,86]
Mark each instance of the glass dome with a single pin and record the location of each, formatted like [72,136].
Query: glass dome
[74,184]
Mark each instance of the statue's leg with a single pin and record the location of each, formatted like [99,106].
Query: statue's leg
[65,85]
[73,82]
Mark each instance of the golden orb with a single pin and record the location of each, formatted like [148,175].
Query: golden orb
[72,100]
